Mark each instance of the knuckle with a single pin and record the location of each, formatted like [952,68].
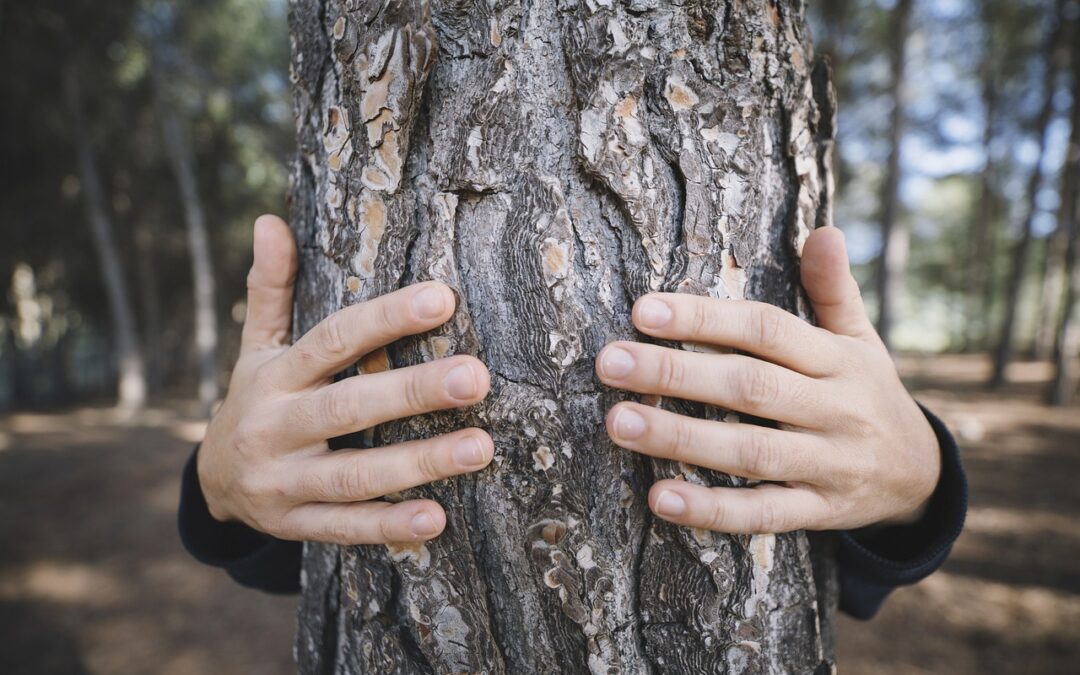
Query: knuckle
[339,531]
[427,466]
[767,326]
[416,391]
[769,519]
[330,338]
[680,440]
[386,317]
[313,486]
[671,375]
[337,407]
[701,320]
[717,518]
[387,533]
[757,386]
[355,481]
[761,456]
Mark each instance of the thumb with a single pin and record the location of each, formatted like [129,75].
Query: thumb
[270,285]
[834,293]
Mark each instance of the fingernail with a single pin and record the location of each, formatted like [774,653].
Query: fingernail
[429,303]
[468,453]
[460,382]
[653,313]
[670,504]
[617,363]
[423,525]
[628,424]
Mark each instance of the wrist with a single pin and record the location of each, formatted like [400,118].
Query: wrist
[204,473]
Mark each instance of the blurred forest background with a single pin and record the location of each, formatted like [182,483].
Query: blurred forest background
[139,139]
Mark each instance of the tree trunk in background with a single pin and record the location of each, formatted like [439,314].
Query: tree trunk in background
[1052,293]
[178,147]
[149,301]
[895,234]
[982,226]
[1020,253]
[129,362]
[1067,333]
[552,163]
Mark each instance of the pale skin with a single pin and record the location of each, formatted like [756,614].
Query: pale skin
[852,449]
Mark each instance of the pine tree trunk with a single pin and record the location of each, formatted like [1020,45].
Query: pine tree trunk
[1067,330]
[129,363]
[895,234]
[175,135]
[1020,253]
[553,161]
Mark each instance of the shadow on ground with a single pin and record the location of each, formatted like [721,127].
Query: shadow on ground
[1008,599]
[93,579]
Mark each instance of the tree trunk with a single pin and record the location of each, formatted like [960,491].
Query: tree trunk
[552,161]
[983,229]
[1067,333]
[1020,253]
[175,135]
[146,266]
[895,235]
[129,362]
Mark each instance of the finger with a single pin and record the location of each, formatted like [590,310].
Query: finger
[361,402]
[365,522]
[833,291]
[744,450]
[756,327]
[731,381]
[360,475]
[345,336]
[270,285]
[762,509]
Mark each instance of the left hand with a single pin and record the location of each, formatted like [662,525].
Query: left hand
[852,449]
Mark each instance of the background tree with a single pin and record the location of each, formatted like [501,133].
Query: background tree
[1021,250]
[894,231]
[552,163]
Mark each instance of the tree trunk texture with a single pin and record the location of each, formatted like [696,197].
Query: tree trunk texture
[552,161]
[895,234]
[175,134]
[129,362]
[1021,251]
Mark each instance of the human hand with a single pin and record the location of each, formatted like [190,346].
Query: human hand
[265,460]
[853,448]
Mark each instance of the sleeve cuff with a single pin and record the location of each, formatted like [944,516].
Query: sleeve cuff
[250,557]
[873,563]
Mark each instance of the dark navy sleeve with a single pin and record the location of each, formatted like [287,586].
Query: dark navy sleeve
[875,561]
[250,557]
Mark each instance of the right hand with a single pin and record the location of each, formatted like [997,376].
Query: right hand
[265,460]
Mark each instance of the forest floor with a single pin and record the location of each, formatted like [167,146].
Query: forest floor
[93,579]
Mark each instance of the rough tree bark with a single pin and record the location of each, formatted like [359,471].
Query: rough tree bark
[895,234]
[552,161]
[131,373]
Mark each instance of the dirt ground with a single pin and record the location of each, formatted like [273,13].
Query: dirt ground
[93,579]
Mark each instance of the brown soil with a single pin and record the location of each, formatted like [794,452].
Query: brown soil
[93,579]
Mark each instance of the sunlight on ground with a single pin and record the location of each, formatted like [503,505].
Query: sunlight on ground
[93,579]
